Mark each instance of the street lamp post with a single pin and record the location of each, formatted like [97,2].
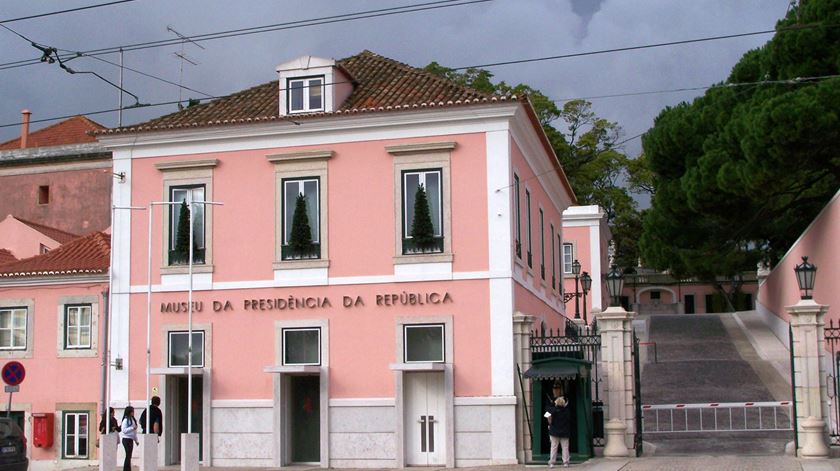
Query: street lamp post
[615,283]
[806,276]
[585,285]
[576,272]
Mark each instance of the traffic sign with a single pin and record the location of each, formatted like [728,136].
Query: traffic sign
[13,373]
[11,389]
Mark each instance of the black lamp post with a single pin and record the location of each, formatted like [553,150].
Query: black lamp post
[576,272]
[585,285]
[615,283]
[806,276]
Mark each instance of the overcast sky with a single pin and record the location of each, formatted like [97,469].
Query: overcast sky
[498,30]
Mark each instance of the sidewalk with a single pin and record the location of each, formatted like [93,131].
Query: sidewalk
[663,463]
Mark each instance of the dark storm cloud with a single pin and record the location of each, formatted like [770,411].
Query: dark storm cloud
[459,36]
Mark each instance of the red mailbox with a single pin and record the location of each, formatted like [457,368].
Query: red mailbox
[42,429]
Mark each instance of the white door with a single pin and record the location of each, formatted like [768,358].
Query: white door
[424,419]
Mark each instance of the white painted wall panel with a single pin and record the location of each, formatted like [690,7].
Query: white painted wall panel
[241,446]
[362,446]
[473,446]
[472,419]
[362,420]
[242,420]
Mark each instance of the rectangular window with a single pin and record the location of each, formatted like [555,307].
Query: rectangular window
[427,237]
[296,244]
[13,328]
[305,94]
[179,348]
[77,322]
[302,346]
[528,224]
[518,211]
[43,249]
[180,214]
[542,245]
[568,257]
[553,260]
[424,343]
[44,194]
[76,435]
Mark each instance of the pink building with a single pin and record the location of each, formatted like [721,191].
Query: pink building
[779,288]
[24,239]
[50,311]
[336,319]
[586,238]
[58,176]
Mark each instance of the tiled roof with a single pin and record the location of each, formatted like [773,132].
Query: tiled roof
[55,234]
[381,84]
[6,257]
[85,255]
[70,131]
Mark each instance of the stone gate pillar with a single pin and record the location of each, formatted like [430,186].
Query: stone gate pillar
[810,393]
[522,325]
[615,326]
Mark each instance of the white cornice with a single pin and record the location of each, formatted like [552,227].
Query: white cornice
[185,164]
[53,281]
[420,147]
[349,128]
[298,156]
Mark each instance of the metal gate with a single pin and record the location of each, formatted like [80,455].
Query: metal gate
[638,443]
[832,344]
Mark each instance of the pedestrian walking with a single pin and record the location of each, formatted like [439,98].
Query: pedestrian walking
[128,435]
[559,431]
[154,418]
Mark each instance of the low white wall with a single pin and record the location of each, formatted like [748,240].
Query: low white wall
[241,436]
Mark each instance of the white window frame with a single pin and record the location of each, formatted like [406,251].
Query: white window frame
[67,327]
[287,218]
[75,435]
[542,244]
[518,211]
[186,333]
[12,310]
[553,259]
[307,87]
[285,330]
[571,255]
[422,181]
[443,345]
[528,227]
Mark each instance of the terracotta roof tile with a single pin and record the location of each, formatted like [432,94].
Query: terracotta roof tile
[6,257]
[85,255]
[55,234]
[70,131]
[380,84]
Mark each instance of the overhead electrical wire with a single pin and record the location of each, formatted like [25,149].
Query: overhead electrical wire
[41,15]
[267,28]
[796,81]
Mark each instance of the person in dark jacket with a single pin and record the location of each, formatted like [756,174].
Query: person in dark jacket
[155,418]
[559,431]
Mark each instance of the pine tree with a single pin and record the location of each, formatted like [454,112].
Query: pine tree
[422,230]
[182,237]
[300,242]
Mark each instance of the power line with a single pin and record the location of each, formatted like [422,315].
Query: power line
[63,11]
[645,46]
[794,81]
[268,28]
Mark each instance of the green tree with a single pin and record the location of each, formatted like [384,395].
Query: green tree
[300,241]
[422,230]
[181,254]
[741,171]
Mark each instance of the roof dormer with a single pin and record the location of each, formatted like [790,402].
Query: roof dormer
[312,85]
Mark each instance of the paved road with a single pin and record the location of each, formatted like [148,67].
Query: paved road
[704,358]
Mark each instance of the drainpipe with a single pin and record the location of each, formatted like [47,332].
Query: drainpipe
[105,354]
[24,128]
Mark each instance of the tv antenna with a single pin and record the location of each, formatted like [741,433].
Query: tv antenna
[182,57]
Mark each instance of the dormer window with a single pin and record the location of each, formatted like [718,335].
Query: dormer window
[306,94]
